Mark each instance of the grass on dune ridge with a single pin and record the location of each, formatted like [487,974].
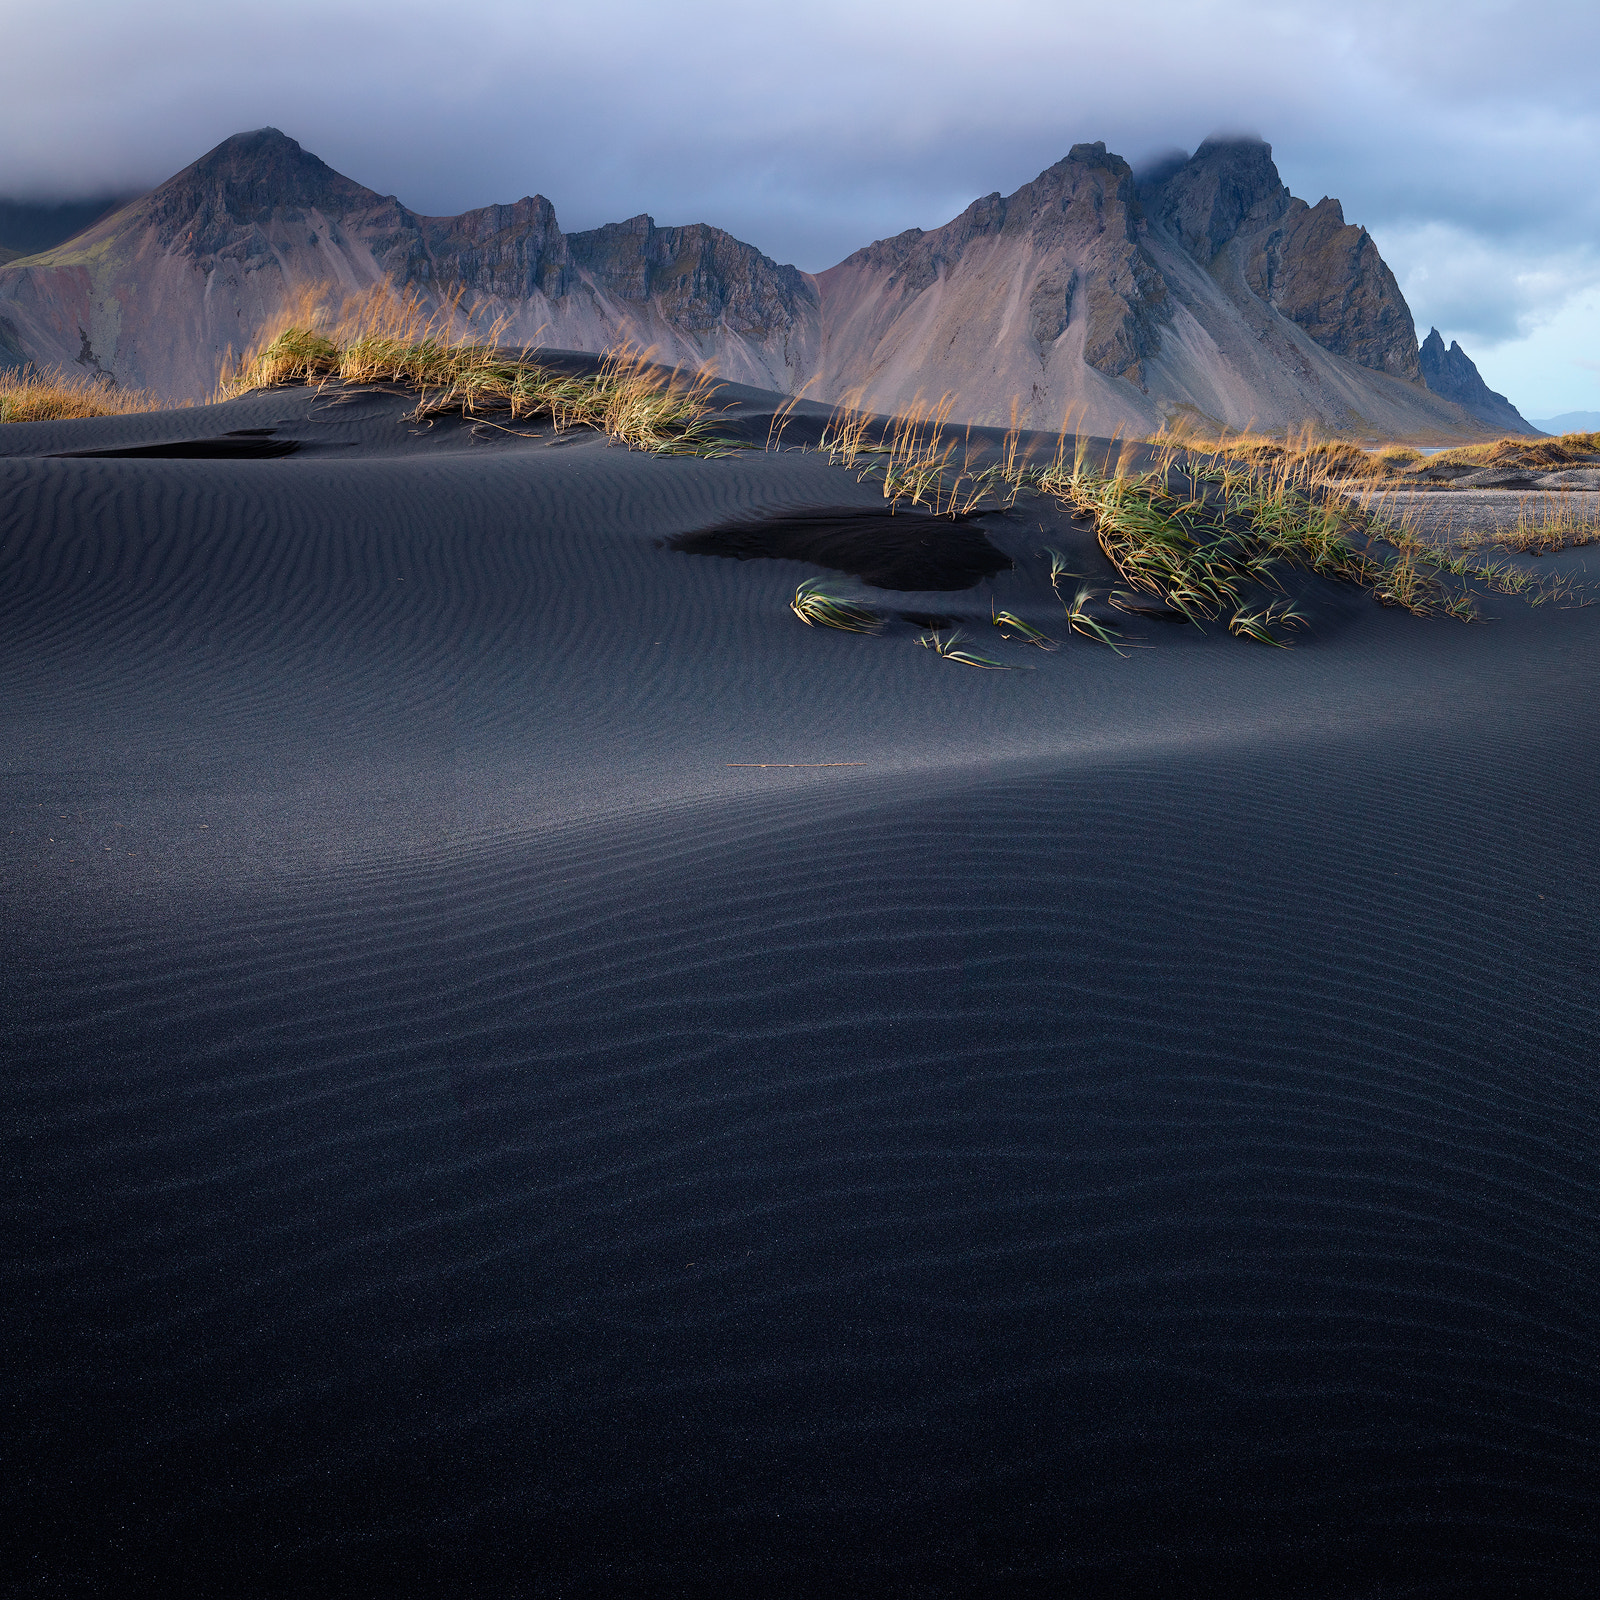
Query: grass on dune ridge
[1519,451]
[1205,527]
[388,339]
[385,338]
[56,396]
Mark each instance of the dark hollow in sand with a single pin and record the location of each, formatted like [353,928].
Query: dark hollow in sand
[888,549]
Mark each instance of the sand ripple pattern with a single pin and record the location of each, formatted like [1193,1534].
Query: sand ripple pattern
[1041,1162]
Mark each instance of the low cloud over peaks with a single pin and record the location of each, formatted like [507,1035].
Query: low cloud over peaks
[811,134]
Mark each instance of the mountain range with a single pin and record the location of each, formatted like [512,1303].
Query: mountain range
[1198,289]
[1570,422]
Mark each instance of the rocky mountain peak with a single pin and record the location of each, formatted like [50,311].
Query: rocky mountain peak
[1096,155]
[1228,207]
[1453,374]
[1208,200]
[245,180]
[263,169]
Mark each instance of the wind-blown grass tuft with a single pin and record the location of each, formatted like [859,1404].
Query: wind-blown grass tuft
[1080,619]
[817,607]
[1258,624]
[1005,620]
[953,647]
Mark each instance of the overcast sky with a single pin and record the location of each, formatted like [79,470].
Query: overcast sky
[1463,135]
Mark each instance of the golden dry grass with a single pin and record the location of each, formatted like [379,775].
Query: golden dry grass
[1306,454]
[922,458]
[1520,451]
[385,338]
[58,396]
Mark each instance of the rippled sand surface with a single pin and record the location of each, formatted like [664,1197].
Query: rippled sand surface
[1126,1127]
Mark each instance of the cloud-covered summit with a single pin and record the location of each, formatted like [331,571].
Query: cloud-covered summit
[1461,136]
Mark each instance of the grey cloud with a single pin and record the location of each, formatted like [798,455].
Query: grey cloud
[810,132]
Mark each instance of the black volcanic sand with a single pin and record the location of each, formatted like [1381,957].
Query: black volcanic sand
[1131,1130]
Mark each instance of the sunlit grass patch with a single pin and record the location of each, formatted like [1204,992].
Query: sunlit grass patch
[1517,450]
[57,396]
[392,340]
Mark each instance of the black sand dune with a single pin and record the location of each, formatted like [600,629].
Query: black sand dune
[1127,1127]
[242,444]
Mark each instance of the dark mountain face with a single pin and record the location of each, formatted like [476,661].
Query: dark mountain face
[1327,275]
[1304,261]
[1451,373]
[510,252]
[1208,200]
[247,180]
[699,276]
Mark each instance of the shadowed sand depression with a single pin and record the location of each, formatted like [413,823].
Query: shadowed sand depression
[1134,1132]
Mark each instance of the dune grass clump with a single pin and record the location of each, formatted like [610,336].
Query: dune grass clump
[1231,523]
[1542,528]
[819,607]
[953,646]
[56,396]
[391,340]
[1517,450]
[1008,622]
[1206,531]
[916,456]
